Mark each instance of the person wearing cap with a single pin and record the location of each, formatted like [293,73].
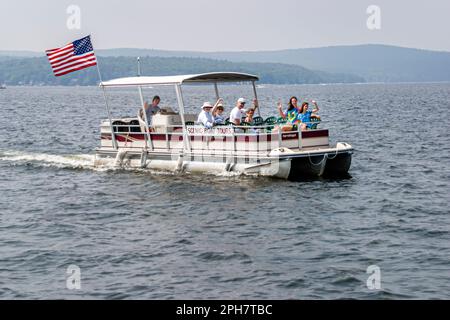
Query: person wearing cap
[238,112]
[205,117]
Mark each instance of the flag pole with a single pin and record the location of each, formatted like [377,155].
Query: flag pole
[113,136]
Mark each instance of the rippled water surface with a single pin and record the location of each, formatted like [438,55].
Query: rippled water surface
[147,235]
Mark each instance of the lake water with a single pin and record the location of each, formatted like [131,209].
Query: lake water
[146,235]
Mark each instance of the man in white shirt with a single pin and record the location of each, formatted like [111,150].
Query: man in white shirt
[205,117]
[238,112]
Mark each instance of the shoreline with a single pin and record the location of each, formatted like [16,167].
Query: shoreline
[259,84]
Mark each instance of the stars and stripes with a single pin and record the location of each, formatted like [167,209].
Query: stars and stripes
[72,57]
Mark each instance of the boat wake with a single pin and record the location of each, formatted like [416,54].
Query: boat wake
[78,161]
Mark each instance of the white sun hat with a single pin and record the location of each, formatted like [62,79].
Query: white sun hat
[207,105]
[241,100]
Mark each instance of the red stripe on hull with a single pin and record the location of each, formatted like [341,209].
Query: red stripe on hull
[246,139]
[315,134]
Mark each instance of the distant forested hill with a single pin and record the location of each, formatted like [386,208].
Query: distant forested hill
[369,63]
[37,71]
[374,63]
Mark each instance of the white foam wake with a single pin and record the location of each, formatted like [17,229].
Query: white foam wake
[77,161]
[68,161]
[82,161]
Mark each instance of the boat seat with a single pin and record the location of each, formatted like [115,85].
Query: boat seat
[120,126]
[168,111]
[316,122]
[257,121]
[270,120]
[134,126]
[281,120]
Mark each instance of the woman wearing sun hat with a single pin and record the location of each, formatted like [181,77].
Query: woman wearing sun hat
[205,117]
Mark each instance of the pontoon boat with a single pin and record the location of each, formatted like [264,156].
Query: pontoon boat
[174,142]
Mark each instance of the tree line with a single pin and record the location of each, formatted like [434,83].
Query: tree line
[37,71]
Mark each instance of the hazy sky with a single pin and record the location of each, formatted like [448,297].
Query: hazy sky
[217,25]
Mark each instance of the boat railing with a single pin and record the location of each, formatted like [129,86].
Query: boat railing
[177,130]
[231,133]
[239,129]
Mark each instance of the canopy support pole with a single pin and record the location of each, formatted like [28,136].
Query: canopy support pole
[186,139]
[148,141]
[113,135]
[255,94]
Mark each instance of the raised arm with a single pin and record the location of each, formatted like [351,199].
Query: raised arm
[280,110]
[213,111]
[316,106]
[255,104]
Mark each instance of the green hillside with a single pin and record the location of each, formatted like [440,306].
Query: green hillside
[37,71]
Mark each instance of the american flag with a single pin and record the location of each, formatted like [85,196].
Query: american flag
[75,56]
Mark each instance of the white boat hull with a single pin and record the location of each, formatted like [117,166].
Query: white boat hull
[281,163]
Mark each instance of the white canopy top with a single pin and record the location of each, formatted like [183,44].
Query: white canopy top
[214,77]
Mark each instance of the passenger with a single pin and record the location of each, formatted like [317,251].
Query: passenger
[249,118]
[237,113]
[205,117]
[250,113]
[291,115]
[305,116]
[217,113]
[151,110]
